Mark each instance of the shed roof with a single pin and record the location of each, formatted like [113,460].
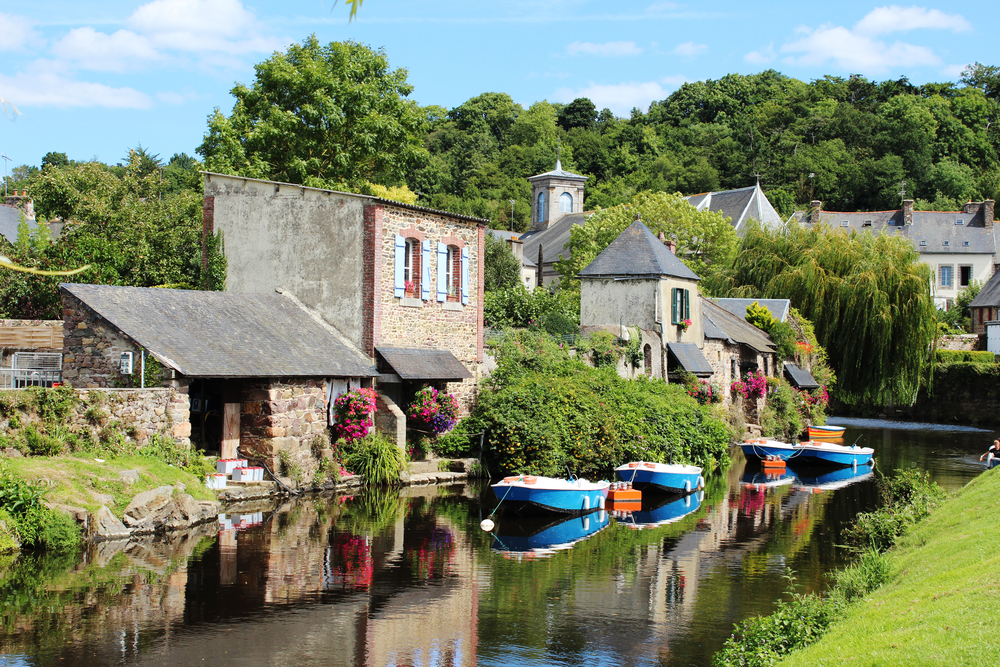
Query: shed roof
[989,295]
[735,328]
[738,307]
[637,252]
[416,363]
[800,377]
[222,334]
[691,359]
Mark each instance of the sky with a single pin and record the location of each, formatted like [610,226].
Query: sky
[93,79]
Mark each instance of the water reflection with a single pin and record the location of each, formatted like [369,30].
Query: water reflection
[390,578]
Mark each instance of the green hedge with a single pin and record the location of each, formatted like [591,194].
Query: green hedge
[964,356]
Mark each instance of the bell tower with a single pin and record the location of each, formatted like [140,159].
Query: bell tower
[555,194]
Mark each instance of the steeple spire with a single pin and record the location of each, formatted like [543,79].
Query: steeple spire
[558,154]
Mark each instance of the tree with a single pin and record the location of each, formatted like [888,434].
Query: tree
[324,116]
[581,112]
[501,268]
[868,296]
[984,77]
[52,159]
[706,242]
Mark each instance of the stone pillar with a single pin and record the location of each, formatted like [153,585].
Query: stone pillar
[907,211]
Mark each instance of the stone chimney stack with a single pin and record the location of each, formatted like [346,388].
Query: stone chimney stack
[672,245]
[988,213]
[972,207]
[907,211]
[815,207]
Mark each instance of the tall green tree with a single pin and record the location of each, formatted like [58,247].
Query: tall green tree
[323,116]
[868,296]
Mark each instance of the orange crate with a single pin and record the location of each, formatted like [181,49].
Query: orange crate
[626,495]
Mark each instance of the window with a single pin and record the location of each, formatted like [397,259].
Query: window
[680,305]
[453,273]
[541,207]
[411,268]
[958,222]
[946,243]
[923,243]
[965,243]
[964,276]
[867,223]
[845,223]
[945,276]
[565,203]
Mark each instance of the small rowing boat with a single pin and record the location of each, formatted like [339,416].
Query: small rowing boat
[662,477]
[762,448]
[825,432]
[530,494]
[816,451]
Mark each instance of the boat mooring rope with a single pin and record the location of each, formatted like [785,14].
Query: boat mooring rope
[757,454]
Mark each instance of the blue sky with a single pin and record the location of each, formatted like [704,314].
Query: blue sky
[92,79]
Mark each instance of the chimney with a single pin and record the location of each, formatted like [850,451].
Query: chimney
[662,237]
[672,245]
[988,213]
[907,211]
[815,206]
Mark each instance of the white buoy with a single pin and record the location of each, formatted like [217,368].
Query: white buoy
[486,524]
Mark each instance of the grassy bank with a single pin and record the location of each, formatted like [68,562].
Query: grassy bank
[940,604]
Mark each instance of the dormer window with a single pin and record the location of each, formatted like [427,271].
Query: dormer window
[923,243]
[965,243]
[867,223]
[946,243]
[845,223]
[958,222]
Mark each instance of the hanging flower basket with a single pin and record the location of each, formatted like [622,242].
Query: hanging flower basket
[432,410]
[355,412]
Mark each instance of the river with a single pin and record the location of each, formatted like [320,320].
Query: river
[383,578]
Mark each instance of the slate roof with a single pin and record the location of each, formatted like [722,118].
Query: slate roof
[989,295]
[734,328]
[637,252]
[800,377]
[691,359]
[927,233]
[739,205]
[554,239]
[558,172]
[738,307]
[415,363]
[222,334]
[10,218]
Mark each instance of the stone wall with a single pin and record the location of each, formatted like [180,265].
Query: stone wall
[285,415]
[413,322]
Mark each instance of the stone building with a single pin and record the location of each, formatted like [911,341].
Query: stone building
[638,283]
[384,275]
[254,373]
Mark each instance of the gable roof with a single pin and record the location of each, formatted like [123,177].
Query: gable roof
[637,252]
[735,329]
[739,205]
[10,218]
[989,295]
[738,307]
[554,239]
[222,334]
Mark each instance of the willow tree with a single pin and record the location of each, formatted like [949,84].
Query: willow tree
[868,296]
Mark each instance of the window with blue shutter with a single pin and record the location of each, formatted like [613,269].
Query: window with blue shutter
[442,272]
[425,270]
[399,281]
[465,276]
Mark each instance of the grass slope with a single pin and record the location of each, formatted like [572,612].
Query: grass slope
[82,481]
[942,605]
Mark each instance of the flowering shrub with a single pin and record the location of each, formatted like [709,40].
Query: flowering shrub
[753,385]
[355,412]
[433,410]
[702,391]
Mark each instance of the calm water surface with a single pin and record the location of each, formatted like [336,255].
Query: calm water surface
[382,579]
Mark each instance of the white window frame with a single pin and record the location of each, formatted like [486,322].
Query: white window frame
[565,198]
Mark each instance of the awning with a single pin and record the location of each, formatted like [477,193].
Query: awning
[421,363]
[800,377]
[690,358]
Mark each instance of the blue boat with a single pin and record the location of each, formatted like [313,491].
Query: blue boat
[816,451]
[541,537]
[667,512]
[762,448]
[529,494]
[761,480]
[661,477]
[832,480]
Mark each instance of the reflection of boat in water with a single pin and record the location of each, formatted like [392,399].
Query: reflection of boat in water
[666,513]
[825,432]
[762,448]
[528,494]
[762,479]
[832,480]
[540,537]
[661,477]
[827,453]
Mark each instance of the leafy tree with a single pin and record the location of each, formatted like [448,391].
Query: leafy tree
[501,268]
[581,112]
[321,116]
[868,296]
[53,159]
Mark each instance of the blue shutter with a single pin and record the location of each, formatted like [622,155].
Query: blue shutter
[442,286]
[399,284]
[687,304]
[465,276]
[673,305]
[425,270]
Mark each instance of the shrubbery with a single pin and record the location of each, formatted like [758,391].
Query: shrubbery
[980,358]
[543,410]
[906,498]
[375,457]
[34,524]
[519,307]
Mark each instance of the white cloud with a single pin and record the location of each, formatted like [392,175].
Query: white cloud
[621,98]
[17,32]
[52,89]
[858,49]
[85,48]
[605,50]
[690,49]
[762,57]
[953,71]
[201,25]
[882,20]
